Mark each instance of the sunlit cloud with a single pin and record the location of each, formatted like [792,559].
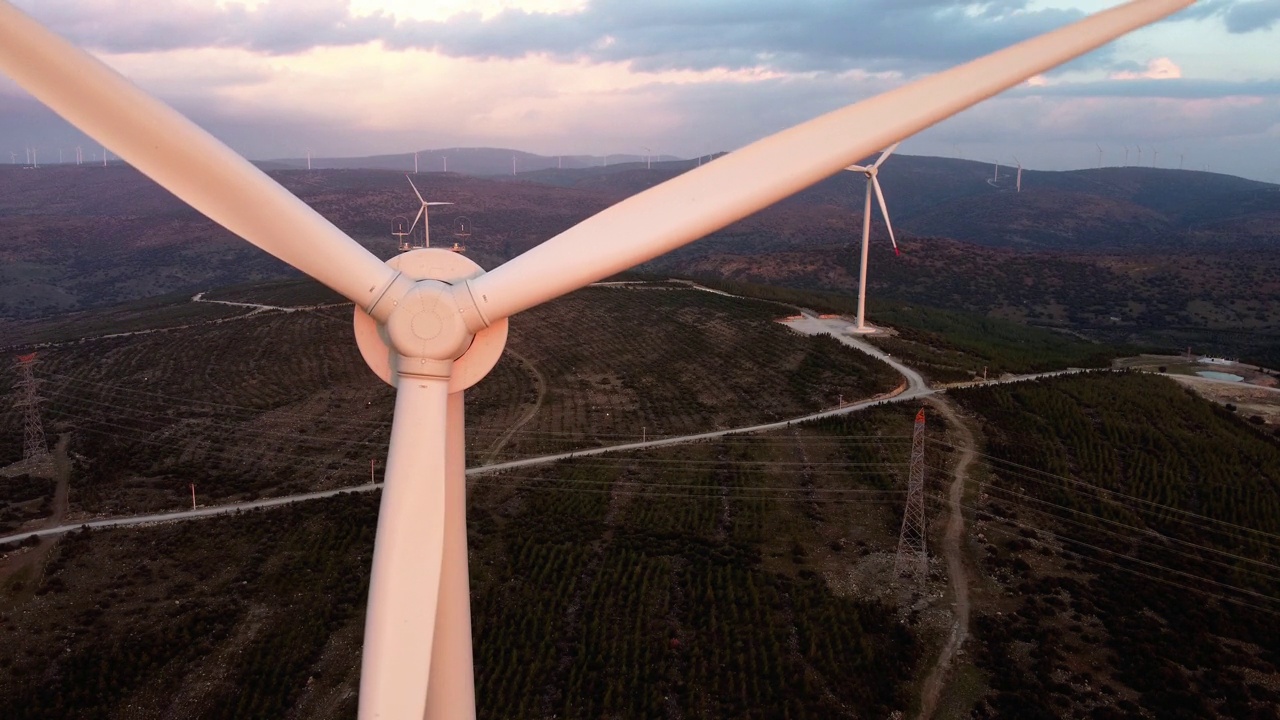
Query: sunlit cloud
[1159,69]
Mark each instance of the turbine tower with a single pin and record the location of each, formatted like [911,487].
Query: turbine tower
[35,451]
[1099,157]
[871,171]
[422,215]
[1019,164]
[647,151]
[432,323]
[912,558]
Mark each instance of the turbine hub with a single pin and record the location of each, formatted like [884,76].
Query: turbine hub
[427,326]
[434,329]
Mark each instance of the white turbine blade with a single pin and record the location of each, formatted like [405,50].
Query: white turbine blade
[885,155]
[453,685]
[884,211]
[714,195]
[415,189]
[418,217]
[856,168]
[408,552]
[438,203]
[184,159]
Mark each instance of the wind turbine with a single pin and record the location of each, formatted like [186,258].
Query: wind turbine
[872,184]
[1126,156]
[1155,156]
[647,151]
[1019,164]
[433,323]
[422,215]
[1099,156]
[1139,155]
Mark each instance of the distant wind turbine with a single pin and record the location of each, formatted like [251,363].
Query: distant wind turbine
[1126,156]
[445,160]
[647,151]
[415,163]
[872,184]
[1019,163]
[422,214]
[1139,156]
[1155,155]
[1099,156]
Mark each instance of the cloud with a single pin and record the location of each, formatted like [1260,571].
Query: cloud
[795,35]
[1159,69]
[1146,86]
[270,26]
[1239,16]
[789,35]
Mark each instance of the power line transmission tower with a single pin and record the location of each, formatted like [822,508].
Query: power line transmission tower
[911,558]
[35,451]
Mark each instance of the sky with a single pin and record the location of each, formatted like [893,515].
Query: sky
[276,78]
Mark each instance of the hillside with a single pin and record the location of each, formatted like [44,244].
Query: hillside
[1137,255]
[1129,531]
[220,396]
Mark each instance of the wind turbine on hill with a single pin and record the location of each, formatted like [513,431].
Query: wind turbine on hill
[432,323]
[1018,185]
[871,171]
[422,215]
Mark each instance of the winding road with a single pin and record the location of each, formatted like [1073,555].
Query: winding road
[956,570]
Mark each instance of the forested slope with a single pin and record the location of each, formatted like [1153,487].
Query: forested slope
[1139,560]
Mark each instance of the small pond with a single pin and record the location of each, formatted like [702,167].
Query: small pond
[1215,375]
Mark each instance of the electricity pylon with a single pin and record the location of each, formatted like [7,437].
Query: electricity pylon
[911,558]
[35,451]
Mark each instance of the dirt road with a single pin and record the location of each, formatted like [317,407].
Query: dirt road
[540,384]
[964,442]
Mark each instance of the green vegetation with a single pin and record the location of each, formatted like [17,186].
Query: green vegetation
[234,406]
[702,580]
[1141,546]
[23,498]
[948,345]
